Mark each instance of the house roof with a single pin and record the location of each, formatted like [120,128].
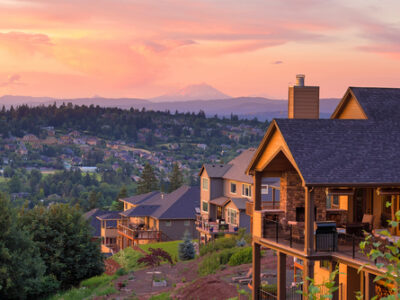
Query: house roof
[139,198]
[111,215]
[215,170]
[239,165]
[180,204]
[240,203]
[91,216]
[343,152]
[378,103]
[220,201]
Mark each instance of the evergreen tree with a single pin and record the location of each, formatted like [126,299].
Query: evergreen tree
[175,178]
[186,248]
[119,205]
[64,241]
[148,181]
[22,271]
[93,200]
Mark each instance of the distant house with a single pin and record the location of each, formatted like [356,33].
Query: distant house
[92,141]
[156,216]
[202,146]
[226,195]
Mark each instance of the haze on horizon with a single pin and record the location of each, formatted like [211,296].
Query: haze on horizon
[122,48]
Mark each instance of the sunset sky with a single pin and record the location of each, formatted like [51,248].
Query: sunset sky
[127,48]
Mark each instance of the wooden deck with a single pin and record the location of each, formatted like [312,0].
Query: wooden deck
[139,234]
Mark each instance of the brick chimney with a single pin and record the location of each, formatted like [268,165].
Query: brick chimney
[303,100]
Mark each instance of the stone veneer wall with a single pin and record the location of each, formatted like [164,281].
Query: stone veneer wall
[292,195]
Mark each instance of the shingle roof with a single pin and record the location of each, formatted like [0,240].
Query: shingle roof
[215,170]
[180,204]
[91,216]
[220,201]
[331,151]
[378,103]
[111,215]
[239,165]
[240,203]
[140,198]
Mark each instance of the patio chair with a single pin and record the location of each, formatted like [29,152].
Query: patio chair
[247,276]
[368,221]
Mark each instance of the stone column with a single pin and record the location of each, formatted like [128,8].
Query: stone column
[309,222]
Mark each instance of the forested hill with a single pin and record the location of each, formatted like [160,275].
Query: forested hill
[115,123]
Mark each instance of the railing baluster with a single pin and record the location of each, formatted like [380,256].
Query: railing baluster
[290,236]
[354,246]
[276,231]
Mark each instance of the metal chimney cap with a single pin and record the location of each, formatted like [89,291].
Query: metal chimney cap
[300,79]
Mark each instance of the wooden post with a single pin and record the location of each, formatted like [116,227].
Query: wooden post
[369,286]
[308,272]
[281,276]
[257,191]
[309,222]
[256,270]
[335,265]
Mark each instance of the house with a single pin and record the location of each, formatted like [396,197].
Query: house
[155,217]
[224,194]
[336,176]
[104,225]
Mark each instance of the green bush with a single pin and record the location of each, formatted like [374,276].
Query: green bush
[218,244]
[243,256]
[270,288]
[121,272]
[128,258]
[210,265]
[226,254]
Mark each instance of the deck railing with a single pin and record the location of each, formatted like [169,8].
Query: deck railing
[140,234]
[213,227]
[273,205]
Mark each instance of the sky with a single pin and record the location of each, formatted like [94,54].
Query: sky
[128,48]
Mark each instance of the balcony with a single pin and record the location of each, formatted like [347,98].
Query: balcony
[212,228]
[137,233]
[270,206]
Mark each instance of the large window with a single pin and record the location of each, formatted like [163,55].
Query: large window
[246,190]
[337,201]
[232,216]
[204,184]
[204,206]
[233,188]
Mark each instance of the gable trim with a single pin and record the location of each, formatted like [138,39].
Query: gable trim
[342,104]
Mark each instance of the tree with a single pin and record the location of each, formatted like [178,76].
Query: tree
[14,185]
[155,257]
[148,181]
[186,248]
[175,178]
[64,241]
[22,272]
[119,205]
[93,200]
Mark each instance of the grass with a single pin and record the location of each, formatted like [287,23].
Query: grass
[98,285]
[162,296]
[170,247]
[128,258]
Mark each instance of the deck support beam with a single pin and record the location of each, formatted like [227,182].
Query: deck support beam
[256,271]
[309,221]
[281,276]
[308,272]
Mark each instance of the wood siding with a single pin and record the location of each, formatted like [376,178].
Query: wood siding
[350,109]
[303,102]
[177,228]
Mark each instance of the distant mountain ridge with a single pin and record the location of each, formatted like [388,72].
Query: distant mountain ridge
[244,107]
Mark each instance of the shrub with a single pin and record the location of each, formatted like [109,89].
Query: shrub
[121,272]
[97,281]
[186,248]
[269,288]
[162,296]
[243,256]
[210,264]
[225,255]
[219,244]
[107,291]
[128,258]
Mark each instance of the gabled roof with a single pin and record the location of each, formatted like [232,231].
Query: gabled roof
[91,216]
[239,165]
[215,170]
[240,203]
[343,152]
[180,204]
[220,201]
[376,103]
[139,198]
[111,215]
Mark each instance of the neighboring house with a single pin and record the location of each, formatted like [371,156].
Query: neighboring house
[225,190]
[342,170]
[104,224]
[155,217]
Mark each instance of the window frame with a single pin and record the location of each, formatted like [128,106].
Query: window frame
[233,184]
[248,187]
[202,206]
[203,180]
[230,213]
[168,223]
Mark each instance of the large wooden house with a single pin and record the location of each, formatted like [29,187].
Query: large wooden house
[336,176]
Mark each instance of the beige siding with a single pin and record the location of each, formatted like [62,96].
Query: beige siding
[351,110]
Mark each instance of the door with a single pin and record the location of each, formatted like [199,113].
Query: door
[220,213]
[359,205]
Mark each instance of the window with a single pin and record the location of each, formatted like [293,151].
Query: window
[325,264]
[333,202]
[232,216]
[204,184]
[186,223]
[264,189]
[246,190]
[233,188]
[168,223]
[204,206]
